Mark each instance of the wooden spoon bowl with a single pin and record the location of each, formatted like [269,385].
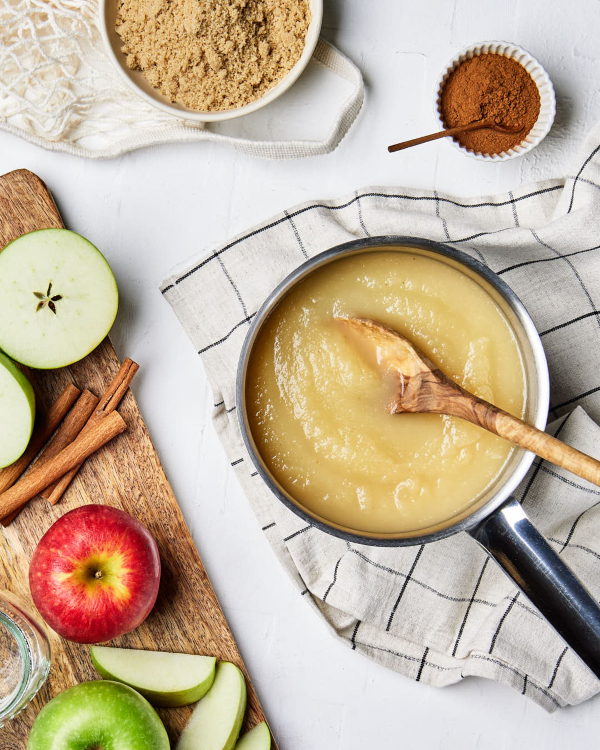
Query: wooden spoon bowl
[421,387]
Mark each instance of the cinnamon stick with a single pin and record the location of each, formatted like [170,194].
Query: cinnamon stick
[72,425]
[41,433]
[107,404]
[117,389]
[75,422]
[73,455]
[68,431]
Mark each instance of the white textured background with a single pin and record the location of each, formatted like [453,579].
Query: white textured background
[151,210]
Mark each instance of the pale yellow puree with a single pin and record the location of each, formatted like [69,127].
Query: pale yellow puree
[316,403]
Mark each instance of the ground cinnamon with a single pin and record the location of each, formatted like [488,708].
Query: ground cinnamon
[490,87]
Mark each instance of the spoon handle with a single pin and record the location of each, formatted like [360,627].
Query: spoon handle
[548,447]
[435,136]
[526,436]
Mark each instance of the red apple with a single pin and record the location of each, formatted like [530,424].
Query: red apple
[95,574]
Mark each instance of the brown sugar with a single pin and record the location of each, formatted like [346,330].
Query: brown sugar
[213,55]
[490,87]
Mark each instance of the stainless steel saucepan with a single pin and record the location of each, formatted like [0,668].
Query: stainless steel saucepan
[496,520]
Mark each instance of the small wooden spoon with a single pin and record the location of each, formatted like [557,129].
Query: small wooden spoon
[423,388]
[477,125]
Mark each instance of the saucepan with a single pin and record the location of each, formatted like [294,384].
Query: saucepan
[496,519]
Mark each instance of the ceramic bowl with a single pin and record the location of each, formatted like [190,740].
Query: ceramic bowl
[136,80]
[539,75]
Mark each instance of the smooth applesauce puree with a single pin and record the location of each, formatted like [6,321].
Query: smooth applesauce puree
[316,403]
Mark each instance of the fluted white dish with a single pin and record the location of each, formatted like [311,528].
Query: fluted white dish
[547,97]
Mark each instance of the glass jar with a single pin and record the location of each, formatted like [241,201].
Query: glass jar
[24,656]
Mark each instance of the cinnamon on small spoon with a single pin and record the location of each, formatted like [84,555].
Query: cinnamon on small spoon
[423,388]
[477,125]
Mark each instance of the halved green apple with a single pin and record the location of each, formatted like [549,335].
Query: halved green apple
[58,298]
[217,719]
[163,678]
[258,738]
[17,411]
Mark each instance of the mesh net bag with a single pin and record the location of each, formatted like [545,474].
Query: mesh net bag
[59,89]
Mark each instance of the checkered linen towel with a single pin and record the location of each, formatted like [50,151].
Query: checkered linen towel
[444,611]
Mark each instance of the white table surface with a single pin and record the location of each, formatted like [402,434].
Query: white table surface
[153,209]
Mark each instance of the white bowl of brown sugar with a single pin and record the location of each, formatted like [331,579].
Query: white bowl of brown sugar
[501,82]
[210,60]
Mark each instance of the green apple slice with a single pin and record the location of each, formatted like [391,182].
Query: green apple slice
[258,738]
[17,411]
[163,678]
[217,719]
[58,298]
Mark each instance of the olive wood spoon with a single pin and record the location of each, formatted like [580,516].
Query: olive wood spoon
[423,388]
[477,125]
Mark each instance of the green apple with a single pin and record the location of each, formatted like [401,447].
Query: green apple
[58,298]
[17,411]
[164,679]
[258,738]
[217,719]
[98,715]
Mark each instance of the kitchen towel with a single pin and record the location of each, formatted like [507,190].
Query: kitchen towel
[60,90]
[444,611]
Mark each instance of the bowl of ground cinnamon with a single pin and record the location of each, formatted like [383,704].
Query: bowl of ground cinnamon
[210,60]
[500,83]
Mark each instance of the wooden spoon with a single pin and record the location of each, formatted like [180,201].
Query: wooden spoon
[477,125]
[423,388]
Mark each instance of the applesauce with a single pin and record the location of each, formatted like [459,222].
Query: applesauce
[316,403]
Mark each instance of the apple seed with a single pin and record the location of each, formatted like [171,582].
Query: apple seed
[46,299]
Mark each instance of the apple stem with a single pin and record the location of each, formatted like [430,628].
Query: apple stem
[98,574]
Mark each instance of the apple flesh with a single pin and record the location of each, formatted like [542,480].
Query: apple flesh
[258,738]
[58,298]
[164,679]
[217,719]
[96,716]
[95,574]
[17,411]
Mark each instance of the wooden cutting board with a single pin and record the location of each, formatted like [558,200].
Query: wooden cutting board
[126,474]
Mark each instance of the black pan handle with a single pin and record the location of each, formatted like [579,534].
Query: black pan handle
[518,547]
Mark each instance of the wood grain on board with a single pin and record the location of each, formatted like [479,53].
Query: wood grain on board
[125,474]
